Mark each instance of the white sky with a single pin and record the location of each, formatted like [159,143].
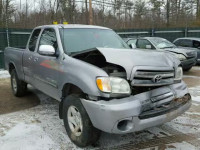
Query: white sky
[33,5]
[23,3]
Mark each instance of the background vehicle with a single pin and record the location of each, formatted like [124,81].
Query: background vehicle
[101,83]
[186,56]
[189,42]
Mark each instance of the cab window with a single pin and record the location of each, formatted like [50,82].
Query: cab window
[132,41]
[48,37]
[33,40]
[144,44]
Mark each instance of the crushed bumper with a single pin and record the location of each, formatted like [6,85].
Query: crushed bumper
[124,115]
[198,61]
[186,64]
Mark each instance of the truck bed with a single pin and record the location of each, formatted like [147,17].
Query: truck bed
[15,56]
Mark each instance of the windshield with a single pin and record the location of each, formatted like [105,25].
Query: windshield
[77,40]
[162,43]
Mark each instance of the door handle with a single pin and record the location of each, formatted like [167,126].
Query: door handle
[35,59]
[30,57]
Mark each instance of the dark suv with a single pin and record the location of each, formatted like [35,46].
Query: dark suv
[193,43]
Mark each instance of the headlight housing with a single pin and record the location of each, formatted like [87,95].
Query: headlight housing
[179,73]
[181,57]
[113,85]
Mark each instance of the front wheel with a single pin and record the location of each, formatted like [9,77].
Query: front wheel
[19,87]
[187,69]
[77,122]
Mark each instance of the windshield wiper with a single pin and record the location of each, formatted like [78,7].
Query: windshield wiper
[81,52]
[167,47]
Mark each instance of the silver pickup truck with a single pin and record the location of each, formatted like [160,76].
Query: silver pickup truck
[101,83]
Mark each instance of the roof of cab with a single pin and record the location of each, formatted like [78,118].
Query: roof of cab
[73,26]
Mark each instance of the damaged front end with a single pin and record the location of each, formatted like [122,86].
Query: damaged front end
[157,92]
[142,74]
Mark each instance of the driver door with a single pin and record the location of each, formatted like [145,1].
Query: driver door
[47,68]
[28,64]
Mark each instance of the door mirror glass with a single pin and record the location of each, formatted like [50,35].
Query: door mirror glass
[47,50]
[148,47]
[132,45]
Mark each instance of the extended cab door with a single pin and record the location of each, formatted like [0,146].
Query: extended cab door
[47,68]
[28,56]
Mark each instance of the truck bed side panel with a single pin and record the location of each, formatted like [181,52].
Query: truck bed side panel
[15,56]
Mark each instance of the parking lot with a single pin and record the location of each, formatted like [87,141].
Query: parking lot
[32,122]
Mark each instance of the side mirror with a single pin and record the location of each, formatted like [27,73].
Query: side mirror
[148,47]
[47,50]
[133,46]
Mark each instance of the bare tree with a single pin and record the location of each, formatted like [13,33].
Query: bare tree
[1,12]
[113,13]
[140,10]
[168,11]
[156,11]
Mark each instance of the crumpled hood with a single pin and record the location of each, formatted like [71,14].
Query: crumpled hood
[128,58]
[178,50]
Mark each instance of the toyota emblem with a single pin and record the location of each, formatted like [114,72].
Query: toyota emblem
[157,78]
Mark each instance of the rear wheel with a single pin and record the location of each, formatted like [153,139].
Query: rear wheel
[19,87]
[77,122]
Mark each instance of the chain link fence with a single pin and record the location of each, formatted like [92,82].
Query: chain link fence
[1,60]
[19,37]
[169,34]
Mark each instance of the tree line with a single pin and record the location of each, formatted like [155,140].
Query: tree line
[116,14]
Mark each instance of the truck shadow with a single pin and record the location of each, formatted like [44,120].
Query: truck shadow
[9,103]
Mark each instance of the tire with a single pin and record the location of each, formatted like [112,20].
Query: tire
[86,136]
[187,69]
[19,87]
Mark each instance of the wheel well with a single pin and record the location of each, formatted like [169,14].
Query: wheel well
[67,90]
[70,89]
[11,67]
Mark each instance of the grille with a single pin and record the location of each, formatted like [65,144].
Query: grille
[153,78]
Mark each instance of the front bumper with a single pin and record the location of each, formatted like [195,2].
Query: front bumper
[188,63]
[123,115]
[198,61]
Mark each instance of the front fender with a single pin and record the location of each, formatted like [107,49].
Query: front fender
[82,75]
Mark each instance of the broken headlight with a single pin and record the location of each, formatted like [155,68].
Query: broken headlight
[181,57]
[113,85]
[179,73]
